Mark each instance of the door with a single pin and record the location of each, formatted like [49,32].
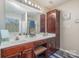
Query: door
[51,22]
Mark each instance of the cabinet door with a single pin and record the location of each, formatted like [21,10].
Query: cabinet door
[42,23]
[51,22]
[11,52]
[53,25]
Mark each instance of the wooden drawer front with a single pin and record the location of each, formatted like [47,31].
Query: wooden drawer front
[11,51]
[37,43]
[28,46]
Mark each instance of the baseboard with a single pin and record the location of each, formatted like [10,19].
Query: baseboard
[66,51]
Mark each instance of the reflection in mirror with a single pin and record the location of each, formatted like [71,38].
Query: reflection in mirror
[33,20]
[12,25]
[20,21]
[13,17]
[32,29]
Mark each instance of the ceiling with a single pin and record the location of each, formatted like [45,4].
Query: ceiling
[49,4]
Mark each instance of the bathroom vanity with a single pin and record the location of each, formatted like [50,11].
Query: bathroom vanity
[28,24]
[25,46]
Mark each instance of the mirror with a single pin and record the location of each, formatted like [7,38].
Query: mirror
[12,24]
[13,16]
[18,19]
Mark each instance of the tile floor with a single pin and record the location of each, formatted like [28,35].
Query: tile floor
[59,54]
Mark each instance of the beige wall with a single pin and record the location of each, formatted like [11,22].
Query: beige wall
[69,39]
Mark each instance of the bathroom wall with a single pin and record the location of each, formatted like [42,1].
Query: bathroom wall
[69,31]
[2,6]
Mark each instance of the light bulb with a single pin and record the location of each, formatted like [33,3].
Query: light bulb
[35,5]
[29,2]
[25,1]
[32,4]
[38,6]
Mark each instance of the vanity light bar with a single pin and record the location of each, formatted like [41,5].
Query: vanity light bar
[34,5]
[25,1]
[30,4]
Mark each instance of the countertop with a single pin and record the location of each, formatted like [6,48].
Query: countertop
[25,39]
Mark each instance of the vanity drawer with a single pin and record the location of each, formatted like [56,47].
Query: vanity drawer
[27,46]
[40,42]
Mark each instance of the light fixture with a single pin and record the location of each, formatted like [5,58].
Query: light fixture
[25,1]
[39,7]
[32,4]
[29,2]
[36,5]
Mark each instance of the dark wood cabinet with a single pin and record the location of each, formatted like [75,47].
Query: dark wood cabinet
[50,23]
[23,50]
[11,52]
[42,23]
[53,26]
[27,50]
[19,51]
